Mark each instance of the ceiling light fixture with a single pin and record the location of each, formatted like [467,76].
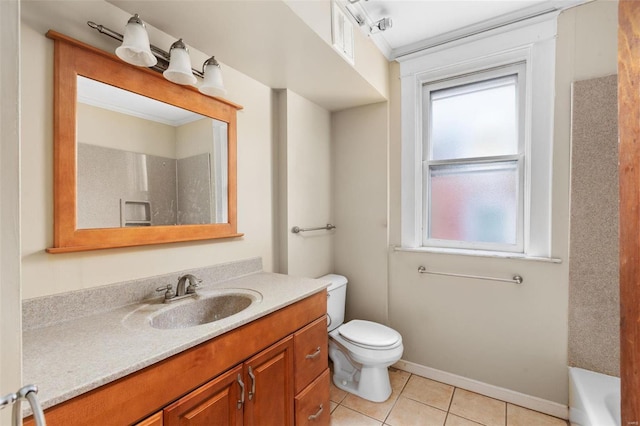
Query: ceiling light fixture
[382,25]
[174,65]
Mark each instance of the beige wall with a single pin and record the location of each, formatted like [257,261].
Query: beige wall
[368,61]
[502,334]
[10,312]
[305,186]
[44,273]
[96,127]
[194,138]
[359,142]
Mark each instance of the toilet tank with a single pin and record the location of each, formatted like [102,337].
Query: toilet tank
[336,298]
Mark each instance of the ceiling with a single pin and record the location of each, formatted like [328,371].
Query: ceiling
[268,41]
[422,23]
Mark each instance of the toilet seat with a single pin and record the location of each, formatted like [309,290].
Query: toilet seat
[370,335]
[373,356]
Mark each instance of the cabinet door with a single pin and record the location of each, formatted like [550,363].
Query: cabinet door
[216,403]
[154,420]
[269,384]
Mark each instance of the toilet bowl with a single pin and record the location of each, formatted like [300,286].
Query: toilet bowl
[361,351]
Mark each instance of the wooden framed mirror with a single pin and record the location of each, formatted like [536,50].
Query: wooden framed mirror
[124,173]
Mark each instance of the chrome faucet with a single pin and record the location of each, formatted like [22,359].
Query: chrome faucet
[183,290]
[191,288]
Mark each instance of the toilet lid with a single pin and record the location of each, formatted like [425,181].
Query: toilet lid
[369,333]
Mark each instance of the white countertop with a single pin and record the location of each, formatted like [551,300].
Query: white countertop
[70,358]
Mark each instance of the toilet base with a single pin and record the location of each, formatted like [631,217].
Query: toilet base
[360,388]
[368,382]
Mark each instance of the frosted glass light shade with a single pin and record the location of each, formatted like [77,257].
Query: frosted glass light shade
[212,84]
[179,70]
[135,48]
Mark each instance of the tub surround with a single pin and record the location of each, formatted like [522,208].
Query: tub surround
[594,299]
[68,350]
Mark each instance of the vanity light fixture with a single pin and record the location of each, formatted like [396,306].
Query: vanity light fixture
[135,48]
[212,84]
[174,65]
[179,70]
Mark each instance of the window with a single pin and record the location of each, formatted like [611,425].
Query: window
[477,142]
[473,149]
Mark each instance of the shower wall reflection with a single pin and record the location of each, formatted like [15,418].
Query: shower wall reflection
[120,188]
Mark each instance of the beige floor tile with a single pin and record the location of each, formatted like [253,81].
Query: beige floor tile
[453,420]
[336,394]
[428,392]
[342,416]
[333,406]
[408,412]
[377,410]
[519,416]
[479,408]
[398,378]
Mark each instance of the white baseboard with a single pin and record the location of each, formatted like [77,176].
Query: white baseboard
[507,395]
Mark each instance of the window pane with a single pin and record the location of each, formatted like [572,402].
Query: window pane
[475,120]
[474,203]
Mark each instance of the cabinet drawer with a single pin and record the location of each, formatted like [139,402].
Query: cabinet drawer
[310,346]
[312,404]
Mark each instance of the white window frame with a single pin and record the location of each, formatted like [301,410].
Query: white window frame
[519,70]
[531,43]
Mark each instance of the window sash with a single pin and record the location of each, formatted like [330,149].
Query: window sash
[483,80]
[517,247]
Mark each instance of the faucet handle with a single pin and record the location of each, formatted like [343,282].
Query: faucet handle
[168,289]
[193,285]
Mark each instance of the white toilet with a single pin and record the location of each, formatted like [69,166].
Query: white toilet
[361,351]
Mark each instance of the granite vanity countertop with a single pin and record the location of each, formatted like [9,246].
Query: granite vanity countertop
[70,358]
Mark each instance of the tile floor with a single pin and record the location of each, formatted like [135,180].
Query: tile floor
[423,402]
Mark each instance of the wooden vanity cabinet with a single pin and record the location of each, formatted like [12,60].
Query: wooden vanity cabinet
[258,392]
[280,350]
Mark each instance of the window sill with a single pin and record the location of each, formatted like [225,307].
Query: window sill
[477,253]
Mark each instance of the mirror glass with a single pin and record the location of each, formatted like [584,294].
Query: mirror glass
[141,162]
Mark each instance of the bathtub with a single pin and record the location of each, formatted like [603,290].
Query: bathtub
[594,398]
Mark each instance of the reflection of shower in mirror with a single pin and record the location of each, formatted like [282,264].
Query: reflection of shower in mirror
[137,149]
